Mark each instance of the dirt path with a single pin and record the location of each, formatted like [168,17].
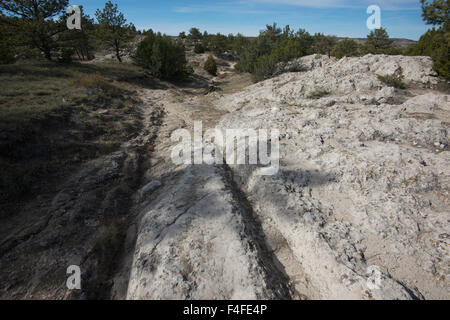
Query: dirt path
[93,218]
[211,232]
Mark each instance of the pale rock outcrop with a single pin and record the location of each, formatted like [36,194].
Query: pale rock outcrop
[351,80]
[358,210]
[195,242]
[362,183]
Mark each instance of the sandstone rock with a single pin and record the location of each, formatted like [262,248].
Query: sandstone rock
[354,190]
[349,80]
[194,243]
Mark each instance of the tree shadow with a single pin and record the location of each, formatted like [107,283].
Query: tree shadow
[194,81]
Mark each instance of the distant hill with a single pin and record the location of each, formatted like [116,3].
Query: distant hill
[398,42]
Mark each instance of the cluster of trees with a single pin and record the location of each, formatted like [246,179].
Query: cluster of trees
[28,27]
[162,56]
[262,55]
[435,42]
[377,42]
[218,43]
[274,46]
[33,26]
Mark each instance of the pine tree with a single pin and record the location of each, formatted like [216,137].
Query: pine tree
[436,13]
[323,44]
[113,30]
[435,42]
[378,42]
[80,41]
[165,58]
[239,44]
[7,41]
[345,48]
[195,35]
[210,66]
[36,22]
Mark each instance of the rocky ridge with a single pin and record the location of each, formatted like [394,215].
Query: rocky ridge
[364,178]
[358,209]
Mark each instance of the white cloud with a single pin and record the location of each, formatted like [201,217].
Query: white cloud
[228,7]
[384,4]
[254,6]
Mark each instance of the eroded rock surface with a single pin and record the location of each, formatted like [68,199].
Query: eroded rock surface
[197,241]
[364,180]
[358,210]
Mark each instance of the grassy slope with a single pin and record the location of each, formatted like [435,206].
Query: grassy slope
[54,117]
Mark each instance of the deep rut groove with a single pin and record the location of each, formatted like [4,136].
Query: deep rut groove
[277,278]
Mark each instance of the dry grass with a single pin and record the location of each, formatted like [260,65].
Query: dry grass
[317,94]
[393,81]
[97,82]
[52,117]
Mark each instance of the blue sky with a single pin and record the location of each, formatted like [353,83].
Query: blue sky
[348,18]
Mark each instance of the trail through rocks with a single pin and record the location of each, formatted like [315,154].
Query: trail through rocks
[199,237]
[358,209]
